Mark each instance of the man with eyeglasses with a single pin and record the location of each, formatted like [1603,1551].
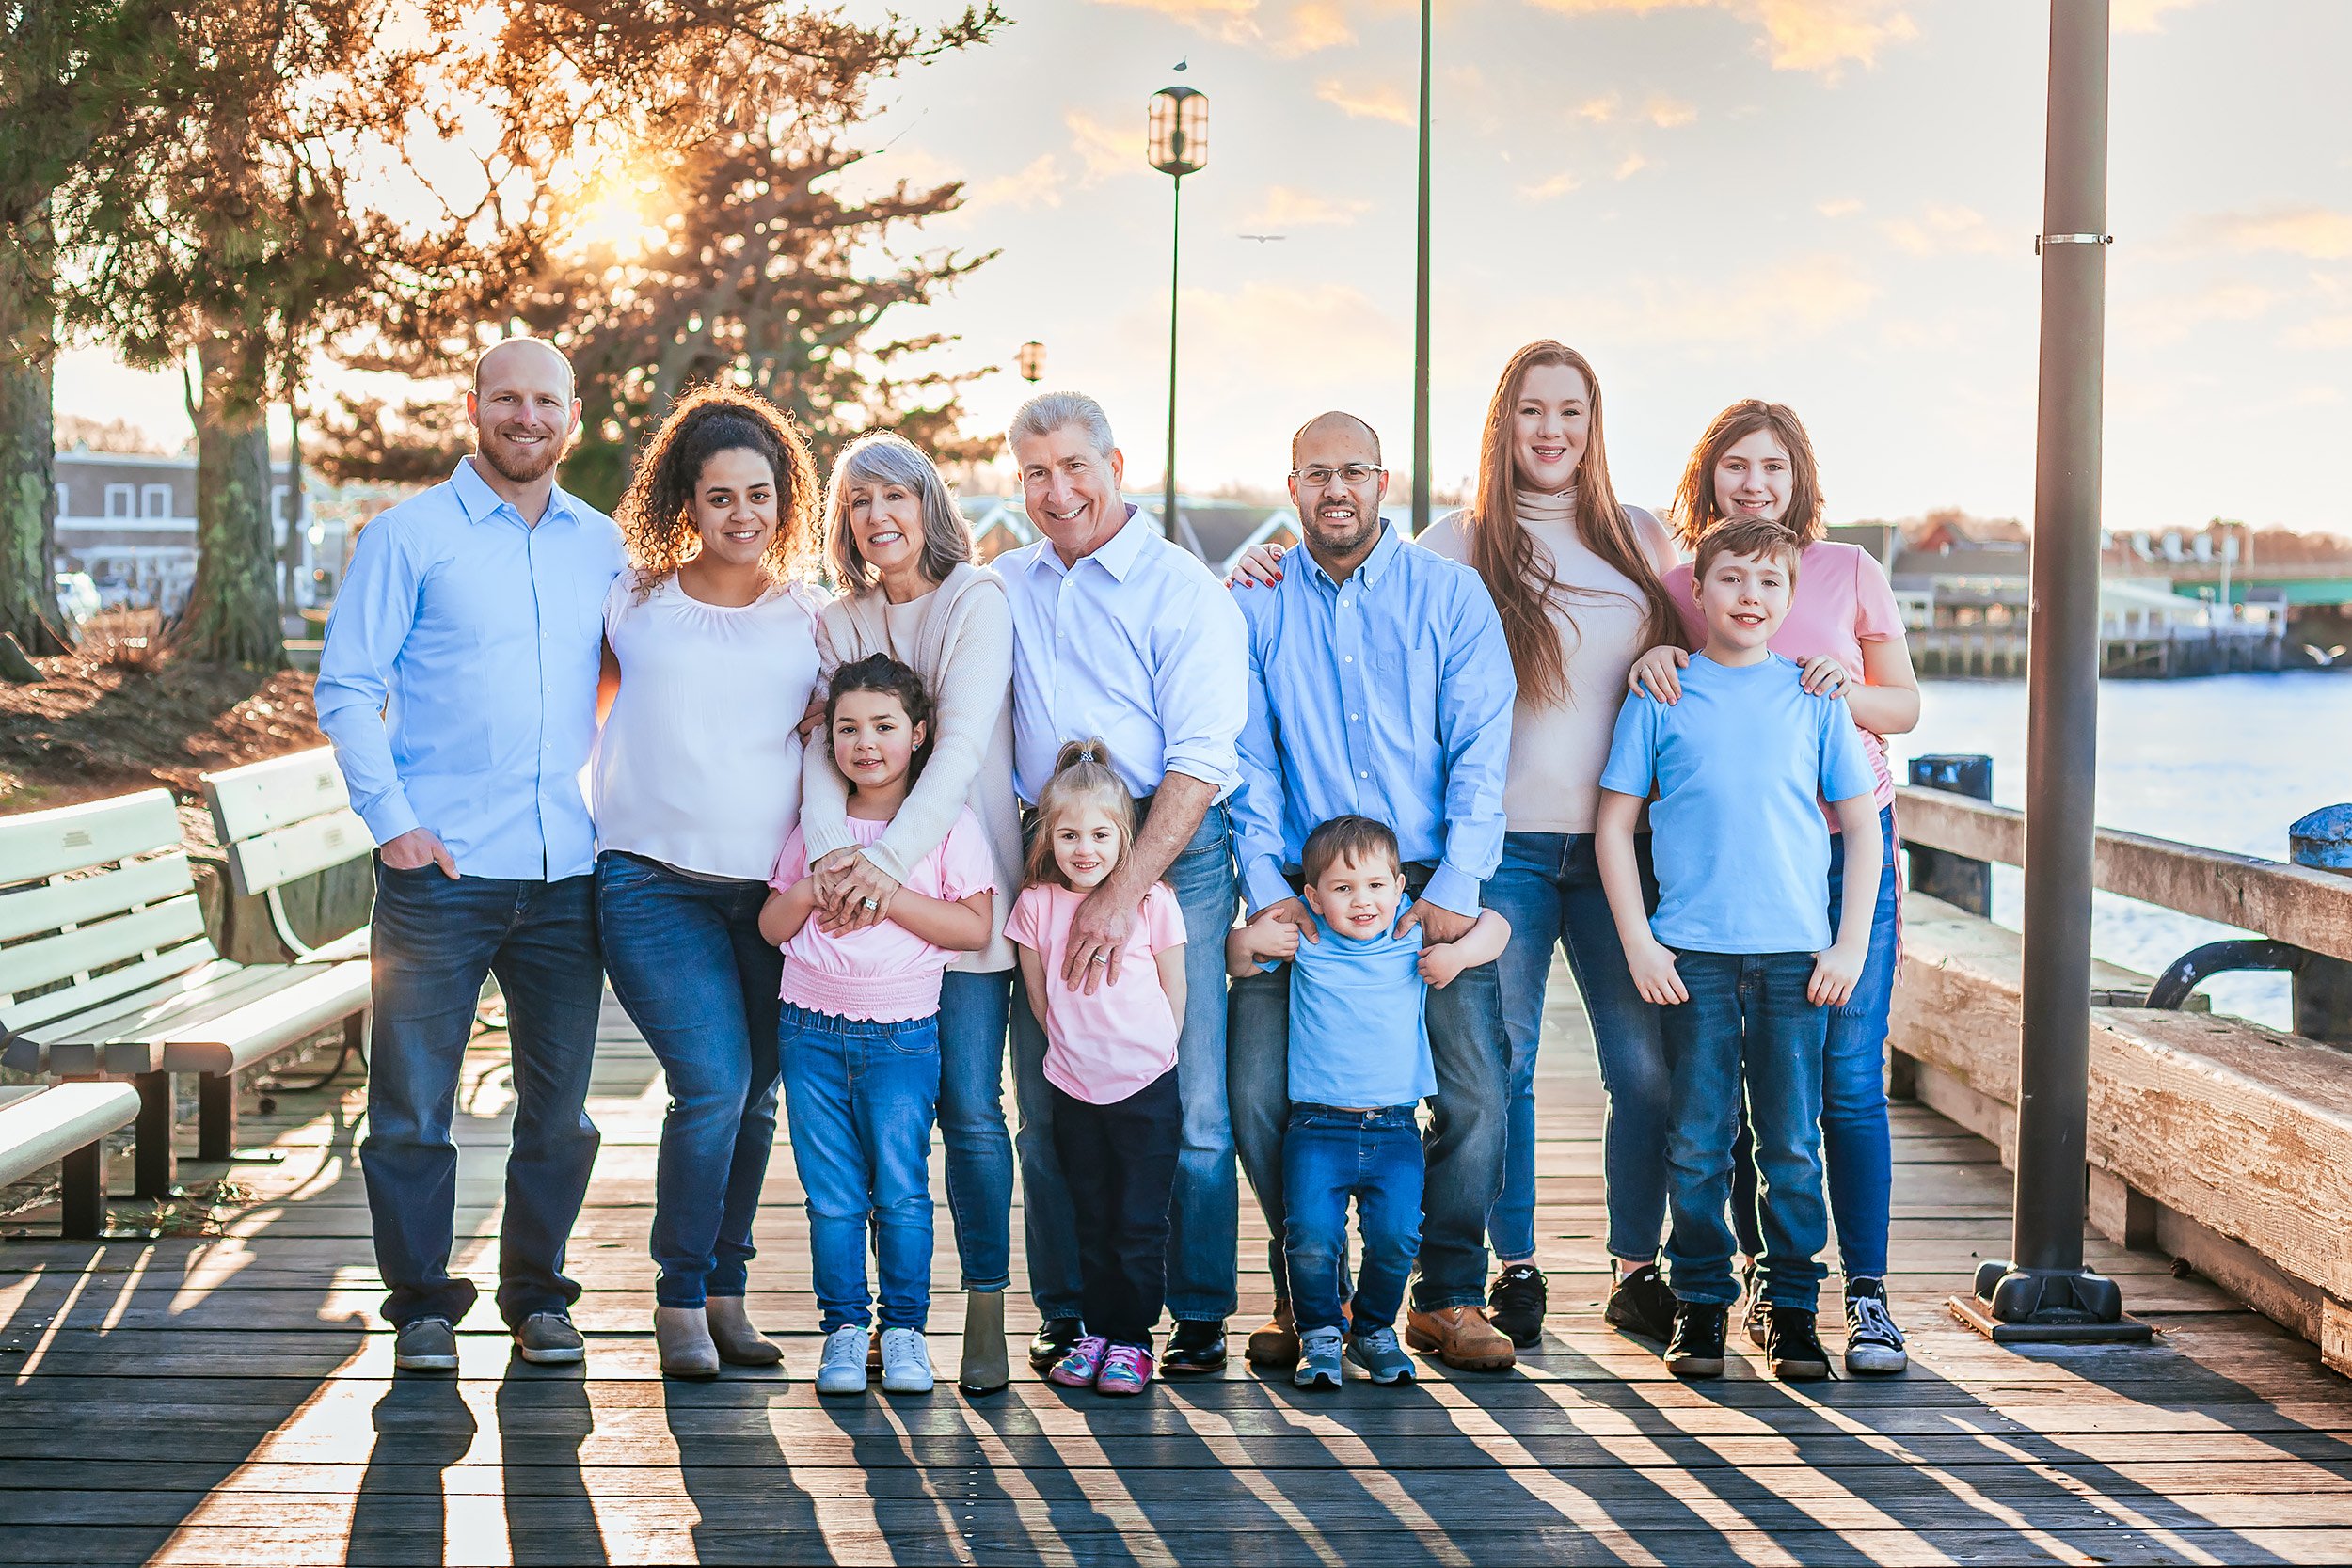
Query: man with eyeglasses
[1380,686]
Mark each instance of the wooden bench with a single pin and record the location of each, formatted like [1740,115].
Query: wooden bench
[281,820]
[111,974]
[66,1124]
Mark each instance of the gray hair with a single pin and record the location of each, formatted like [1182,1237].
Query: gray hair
[1048,412]
[885,458]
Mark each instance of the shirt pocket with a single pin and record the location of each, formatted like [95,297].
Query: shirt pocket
[1404,685]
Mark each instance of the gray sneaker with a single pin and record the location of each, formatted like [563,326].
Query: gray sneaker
[425,1345]
[1873,1343]
[1375,1350]
[548,1339]
[1318,1359]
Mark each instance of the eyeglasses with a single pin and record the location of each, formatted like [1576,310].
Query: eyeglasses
[1351,475]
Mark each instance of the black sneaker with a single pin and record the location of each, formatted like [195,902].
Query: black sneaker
[1056,1339]
[1639,1302]
[1792,1346]
[1873,1343]
[1757,1316]
[1696,1348]
[1516,1303]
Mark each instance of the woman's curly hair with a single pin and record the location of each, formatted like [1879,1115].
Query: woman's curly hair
[657,515]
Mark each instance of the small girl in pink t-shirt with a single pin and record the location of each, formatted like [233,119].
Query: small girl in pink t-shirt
[1110,1064]
[859,1035]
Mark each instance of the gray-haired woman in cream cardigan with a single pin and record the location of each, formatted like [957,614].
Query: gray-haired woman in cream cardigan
[902,553]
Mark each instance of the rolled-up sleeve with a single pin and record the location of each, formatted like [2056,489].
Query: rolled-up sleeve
[1200,687]
[1474,719]
[373,615]
[1259,802]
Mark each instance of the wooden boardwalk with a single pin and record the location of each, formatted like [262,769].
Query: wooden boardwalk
[230,1401]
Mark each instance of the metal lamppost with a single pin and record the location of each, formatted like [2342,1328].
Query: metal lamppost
[2045,1292]
[1421,303]
[1030,362]
[1177,145]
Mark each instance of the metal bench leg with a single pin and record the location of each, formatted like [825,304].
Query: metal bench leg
[154,1168]
[216,1115]
[84,1173]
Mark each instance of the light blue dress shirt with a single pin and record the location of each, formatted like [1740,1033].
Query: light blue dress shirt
[1138,644]
[459,678]
[1386,696]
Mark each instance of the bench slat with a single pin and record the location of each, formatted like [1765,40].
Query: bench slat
[264,796]
[159,925]
[132,1040]
[35,845]
[166,965]
[269,1024]
[42,1129]
[278,857]
[46,906]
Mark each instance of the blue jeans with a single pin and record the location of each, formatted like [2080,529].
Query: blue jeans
[687,962]
[1549,888]
[1856,1145]
[1465,1147]
[1375,1157]
[1747,1026]
[436,941]
[859,1098]
[1204,1218]
[973,1012]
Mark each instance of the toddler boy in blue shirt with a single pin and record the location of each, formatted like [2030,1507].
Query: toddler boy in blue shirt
[1359,1066]
[1738,956]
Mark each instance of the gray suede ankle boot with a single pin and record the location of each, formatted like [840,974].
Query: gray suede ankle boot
[731,1330]
[683,1341]
[985,1370]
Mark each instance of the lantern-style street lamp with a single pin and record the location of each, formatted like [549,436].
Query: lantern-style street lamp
[1030,362]
[1177,145]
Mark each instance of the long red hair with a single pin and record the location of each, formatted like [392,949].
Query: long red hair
[1505,556]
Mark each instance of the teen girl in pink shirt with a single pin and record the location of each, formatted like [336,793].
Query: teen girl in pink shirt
[1845,628]
[1110,1064]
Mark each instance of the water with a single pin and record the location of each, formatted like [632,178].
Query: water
[2227,762]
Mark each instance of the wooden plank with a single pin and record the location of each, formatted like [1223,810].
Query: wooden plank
[263,795]
[304,1000]
[44,1128]
[59,1010]
[33,964]
[50,905]
[38,845]
[298,849]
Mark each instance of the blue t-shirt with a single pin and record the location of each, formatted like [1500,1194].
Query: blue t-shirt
[1741,766]
[1358,1033]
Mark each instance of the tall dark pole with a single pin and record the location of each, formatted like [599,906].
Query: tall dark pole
[1175,254]
[1421,303]
[2045,1292]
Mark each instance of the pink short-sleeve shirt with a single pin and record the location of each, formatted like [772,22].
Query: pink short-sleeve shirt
[1843,600]
[1103,1048]
[885,973]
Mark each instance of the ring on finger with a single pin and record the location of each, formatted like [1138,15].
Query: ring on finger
[869,903]
[1100,958]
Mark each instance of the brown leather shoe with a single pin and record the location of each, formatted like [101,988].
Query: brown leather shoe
[1462,1338]
[1276,1344]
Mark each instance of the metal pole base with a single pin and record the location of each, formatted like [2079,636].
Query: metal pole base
[2065,1306]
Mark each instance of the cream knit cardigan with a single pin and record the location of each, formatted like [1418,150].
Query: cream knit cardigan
[962,648]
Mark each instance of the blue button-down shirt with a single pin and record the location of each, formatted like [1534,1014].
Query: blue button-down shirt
[459,678]
[1386,696]
[1138,644]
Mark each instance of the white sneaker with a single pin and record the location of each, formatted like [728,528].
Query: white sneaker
[906,1362]
[843,1369]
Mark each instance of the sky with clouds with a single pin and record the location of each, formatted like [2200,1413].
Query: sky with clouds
[1829,202]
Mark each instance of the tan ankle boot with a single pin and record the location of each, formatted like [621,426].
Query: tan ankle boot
[1462,1338]
[1275,1342]
[729,1326]
[683,1341]
[986,1367]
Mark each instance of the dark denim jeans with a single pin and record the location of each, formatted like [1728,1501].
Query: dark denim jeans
[1329,1156]
[435,942]
[1204,1220]
[1747,1023]
[1857,1148]
[974,1010]
[859,1098]
[1465,1143]
[687,962]
[1549,888]
[1119,1162]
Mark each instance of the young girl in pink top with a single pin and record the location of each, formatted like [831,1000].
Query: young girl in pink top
[859,1035]
[1845,630]
[1110,1062]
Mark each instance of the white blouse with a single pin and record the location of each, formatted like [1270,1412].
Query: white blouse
[698,764]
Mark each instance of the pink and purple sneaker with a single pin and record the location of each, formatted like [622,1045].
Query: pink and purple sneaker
[1126,1369]
[1084,1362]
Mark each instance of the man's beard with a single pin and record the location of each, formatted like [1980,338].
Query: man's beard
[1367,524]
[515,467]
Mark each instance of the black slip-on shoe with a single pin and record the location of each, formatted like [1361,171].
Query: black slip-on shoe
[1194,1347]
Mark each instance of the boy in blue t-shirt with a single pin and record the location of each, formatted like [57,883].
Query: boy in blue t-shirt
[1359,1066]
[1738,956]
